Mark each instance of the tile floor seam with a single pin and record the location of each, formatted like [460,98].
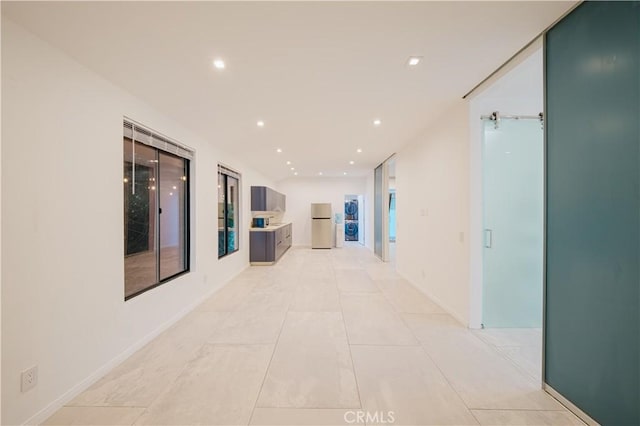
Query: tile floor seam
[139,416]
[105,406]
[559,410]
[515,364]
[473,414]
[346,332]
[395,345]
[523,370]
[266,371]
[167,388]
[288,407]
[511,346]
[495,350]
[415,336]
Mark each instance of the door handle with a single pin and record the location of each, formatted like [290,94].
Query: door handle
[488,238]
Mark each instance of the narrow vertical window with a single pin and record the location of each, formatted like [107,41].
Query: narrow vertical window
[156,209]
[228,211]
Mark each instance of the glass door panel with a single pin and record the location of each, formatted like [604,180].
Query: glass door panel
[172,195]
[232,214]
[513,223]
[377,213]
[140,183]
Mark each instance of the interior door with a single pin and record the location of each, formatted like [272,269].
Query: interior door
[592,319]
[513,223]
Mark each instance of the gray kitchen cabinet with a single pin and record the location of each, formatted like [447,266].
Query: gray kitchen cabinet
[262,247]
[268,245]
[265,199]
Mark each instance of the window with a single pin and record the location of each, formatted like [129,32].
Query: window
[156,209]
[228,210]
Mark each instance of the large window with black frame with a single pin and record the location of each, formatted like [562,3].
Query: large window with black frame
[156,209]
[228,211]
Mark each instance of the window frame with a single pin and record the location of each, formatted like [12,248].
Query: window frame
[227,173]
[186,205]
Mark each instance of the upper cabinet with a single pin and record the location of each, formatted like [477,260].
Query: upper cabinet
[265,199]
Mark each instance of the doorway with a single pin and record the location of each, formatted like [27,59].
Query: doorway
[354,218]
[507,213]
[512,246]
[392,210]
[383,178]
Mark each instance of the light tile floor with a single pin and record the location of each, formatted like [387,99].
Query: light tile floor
[323,337]
[523,346]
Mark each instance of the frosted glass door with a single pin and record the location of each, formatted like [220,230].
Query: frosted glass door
[513,223]
[377,213]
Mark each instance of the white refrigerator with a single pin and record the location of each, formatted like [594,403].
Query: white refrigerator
[321,225]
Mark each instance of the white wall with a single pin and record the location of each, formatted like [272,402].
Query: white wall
[432,186]
[62,224]
[517,92]
[301,192]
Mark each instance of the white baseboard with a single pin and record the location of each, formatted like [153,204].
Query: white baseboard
[438,302]
[570,405]
[84,384]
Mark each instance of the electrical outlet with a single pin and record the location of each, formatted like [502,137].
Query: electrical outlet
[29,378]
[461,237]
[423,274]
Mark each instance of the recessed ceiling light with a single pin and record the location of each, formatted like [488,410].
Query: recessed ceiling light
[377,122]
[278,150]
[293,168]
[295,174]
[260,123]
[352,162]
[288,163]
[414,60]
[359,150]
[345,173]
[219,64]
[320,173]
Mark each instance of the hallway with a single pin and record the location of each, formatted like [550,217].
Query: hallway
[323,337]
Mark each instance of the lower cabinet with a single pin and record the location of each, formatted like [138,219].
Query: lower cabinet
[268,246]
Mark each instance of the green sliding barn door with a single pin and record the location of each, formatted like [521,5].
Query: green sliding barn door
[592,323]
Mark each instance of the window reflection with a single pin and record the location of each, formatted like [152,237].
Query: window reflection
[228,211]
[139,217]
[155,216]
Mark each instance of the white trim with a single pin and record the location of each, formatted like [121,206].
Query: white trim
[570,405]
[84,384]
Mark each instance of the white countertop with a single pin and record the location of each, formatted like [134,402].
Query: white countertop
[269,228]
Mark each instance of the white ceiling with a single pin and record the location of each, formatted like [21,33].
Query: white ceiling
[317,73]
